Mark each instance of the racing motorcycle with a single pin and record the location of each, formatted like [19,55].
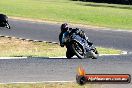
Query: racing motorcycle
[4,21]
[78,46]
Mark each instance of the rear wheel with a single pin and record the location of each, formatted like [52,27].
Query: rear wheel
[78,50]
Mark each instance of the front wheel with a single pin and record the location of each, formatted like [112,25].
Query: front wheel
[78,50]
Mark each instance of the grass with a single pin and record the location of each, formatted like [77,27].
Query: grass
[108,51]
[10,47]
[16,47]
[49,85]
[96,14]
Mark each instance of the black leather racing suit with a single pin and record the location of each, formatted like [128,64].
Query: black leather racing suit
[76,31]
[3,20]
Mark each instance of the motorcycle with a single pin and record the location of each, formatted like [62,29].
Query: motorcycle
[78,46]
[4,21]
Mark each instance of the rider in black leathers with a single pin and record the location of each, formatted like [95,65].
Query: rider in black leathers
[3,20]
[64,28]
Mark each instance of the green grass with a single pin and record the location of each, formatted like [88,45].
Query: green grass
[49,85]
[113,16]
[108,51]
[15,47]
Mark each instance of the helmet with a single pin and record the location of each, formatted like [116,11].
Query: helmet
[64,27]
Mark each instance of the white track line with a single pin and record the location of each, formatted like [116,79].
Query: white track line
[13,57]
[123,53]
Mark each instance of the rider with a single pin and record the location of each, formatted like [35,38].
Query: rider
[3,20]
[64,27]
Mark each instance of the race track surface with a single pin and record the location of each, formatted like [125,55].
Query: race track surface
[35,69]
[62,69]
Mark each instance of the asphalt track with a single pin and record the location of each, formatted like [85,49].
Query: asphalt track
[62,69]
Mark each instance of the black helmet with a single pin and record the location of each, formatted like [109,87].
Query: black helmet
[64,27]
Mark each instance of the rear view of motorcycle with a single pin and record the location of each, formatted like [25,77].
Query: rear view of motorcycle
[4,21]
[78,46]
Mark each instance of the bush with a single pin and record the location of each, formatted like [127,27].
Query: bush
[127,2]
